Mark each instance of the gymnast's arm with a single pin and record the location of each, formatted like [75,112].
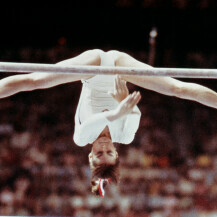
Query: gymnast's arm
[89,131]
[28,82]
[165,85]
[130,121]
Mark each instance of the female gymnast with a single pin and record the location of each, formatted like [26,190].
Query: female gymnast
[106,112]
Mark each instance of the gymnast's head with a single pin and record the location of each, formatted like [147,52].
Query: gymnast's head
[104,163]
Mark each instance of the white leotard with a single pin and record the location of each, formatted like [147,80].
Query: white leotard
[94,99]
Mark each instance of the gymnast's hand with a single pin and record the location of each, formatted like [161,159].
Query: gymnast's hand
[120,89]
[126,106]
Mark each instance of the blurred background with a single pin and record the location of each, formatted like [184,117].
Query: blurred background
[170,169]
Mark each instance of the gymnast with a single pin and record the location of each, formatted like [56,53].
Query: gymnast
[106,112]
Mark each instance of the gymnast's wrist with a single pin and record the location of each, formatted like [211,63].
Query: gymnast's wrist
[112,115]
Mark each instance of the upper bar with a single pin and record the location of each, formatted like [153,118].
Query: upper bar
[107,70]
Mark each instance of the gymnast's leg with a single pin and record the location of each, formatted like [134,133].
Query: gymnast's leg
[27,82]
[165,85]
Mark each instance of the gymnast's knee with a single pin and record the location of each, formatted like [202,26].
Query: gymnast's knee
[178,90]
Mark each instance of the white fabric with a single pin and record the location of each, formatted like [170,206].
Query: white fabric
[90,119]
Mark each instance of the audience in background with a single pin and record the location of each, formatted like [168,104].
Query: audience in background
[169,170]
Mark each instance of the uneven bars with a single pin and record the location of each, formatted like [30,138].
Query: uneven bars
[107,70]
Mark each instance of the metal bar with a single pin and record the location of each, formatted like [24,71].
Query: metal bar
[107,70]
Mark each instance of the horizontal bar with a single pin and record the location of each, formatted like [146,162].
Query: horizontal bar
[107,70]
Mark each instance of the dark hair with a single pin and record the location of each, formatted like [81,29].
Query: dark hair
[104,171]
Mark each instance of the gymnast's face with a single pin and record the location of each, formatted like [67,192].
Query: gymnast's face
[103,151]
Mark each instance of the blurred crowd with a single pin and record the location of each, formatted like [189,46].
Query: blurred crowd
[170,169]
